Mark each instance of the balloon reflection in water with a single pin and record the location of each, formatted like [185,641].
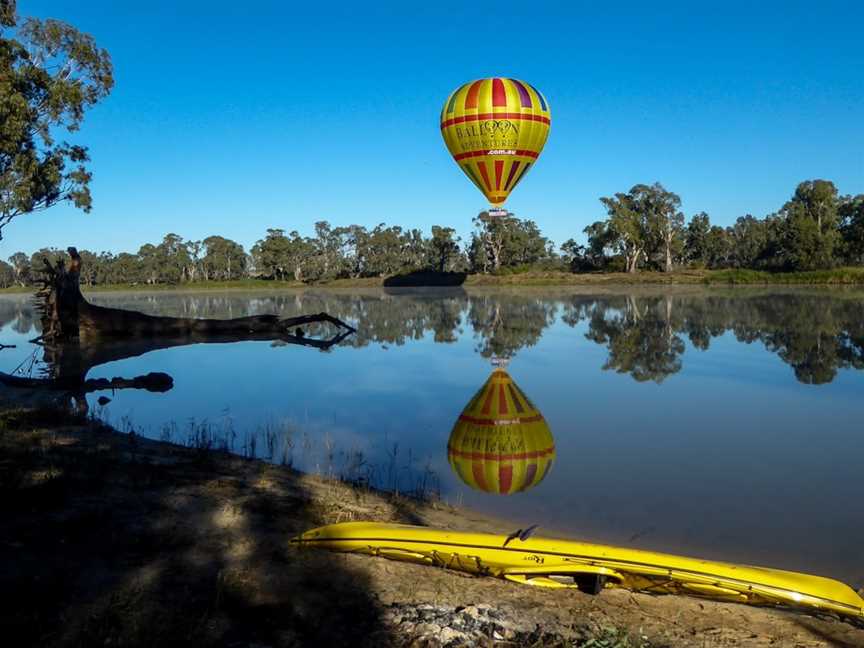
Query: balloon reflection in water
[501,443]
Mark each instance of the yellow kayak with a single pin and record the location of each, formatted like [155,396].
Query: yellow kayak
[549,562]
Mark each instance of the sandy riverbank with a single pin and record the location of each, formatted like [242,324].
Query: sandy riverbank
[117,540]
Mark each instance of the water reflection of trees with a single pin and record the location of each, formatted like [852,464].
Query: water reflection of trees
[19,312]
[816,333]
[502,324]
[640,336]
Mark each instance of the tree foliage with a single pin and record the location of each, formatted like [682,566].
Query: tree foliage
[815,229]
[50,74]
[851,212]
[645,229]
[811,220]
[506,242]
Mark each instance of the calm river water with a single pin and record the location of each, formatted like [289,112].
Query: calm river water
[721,423]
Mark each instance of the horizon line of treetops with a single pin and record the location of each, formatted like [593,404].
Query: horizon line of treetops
[644,230]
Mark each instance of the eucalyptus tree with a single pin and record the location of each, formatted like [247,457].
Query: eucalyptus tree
[224,259]
[50,75]
[415,250]
[812,221]
[527,246]
[329,251]
[748,239]
[380,250]
[629,228]
[126,268]
[705,244]
[718,248]
[660,210]
[173,255]
[851,212]
[601,238]
[489,239]
[506,241]
[150,264]
[7,275]
[350,241]
[443,248]
[575,255]
[279,257]
[196,250]
[91,267]
[697,239]
[20,263]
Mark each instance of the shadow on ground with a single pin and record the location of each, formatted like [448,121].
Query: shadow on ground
[111,539]
[108,539]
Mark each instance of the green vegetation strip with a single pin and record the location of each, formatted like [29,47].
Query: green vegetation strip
[837,276]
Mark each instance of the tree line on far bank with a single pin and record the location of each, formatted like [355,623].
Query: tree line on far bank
[644,230]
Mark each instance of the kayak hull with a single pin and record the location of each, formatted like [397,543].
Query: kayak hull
[556,563]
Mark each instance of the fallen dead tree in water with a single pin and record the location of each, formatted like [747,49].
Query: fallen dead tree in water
[66,315]
[77,335]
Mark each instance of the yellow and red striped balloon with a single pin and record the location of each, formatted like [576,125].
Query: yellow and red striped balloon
[495,129]
[501,443]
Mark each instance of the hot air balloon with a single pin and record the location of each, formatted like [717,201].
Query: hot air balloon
[501,443]
[495,129]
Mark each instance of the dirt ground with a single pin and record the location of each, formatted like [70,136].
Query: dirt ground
[113,540]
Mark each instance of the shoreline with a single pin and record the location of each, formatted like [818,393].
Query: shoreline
[115,538]
[851,276]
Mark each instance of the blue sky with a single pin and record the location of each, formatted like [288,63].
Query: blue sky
[229,118]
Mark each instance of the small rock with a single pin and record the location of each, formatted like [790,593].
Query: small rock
[427,629]
[471,612]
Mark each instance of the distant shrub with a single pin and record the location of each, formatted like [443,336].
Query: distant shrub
[847,275]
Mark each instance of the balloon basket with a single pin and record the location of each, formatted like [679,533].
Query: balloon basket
[497,212]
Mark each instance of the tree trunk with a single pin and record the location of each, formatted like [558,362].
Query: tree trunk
[66,315]
[78,336]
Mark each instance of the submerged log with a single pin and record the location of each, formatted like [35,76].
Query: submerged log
[66,315]
[78,336]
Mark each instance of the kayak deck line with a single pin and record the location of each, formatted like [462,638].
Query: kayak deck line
[664,573]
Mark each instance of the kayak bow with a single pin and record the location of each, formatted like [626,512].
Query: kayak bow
[554,563]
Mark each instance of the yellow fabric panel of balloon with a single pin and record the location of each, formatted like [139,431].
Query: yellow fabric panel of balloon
[501,443]
[495,129]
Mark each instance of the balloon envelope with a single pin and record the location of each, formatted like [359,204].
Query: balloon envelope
[495,129]
[501,443]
